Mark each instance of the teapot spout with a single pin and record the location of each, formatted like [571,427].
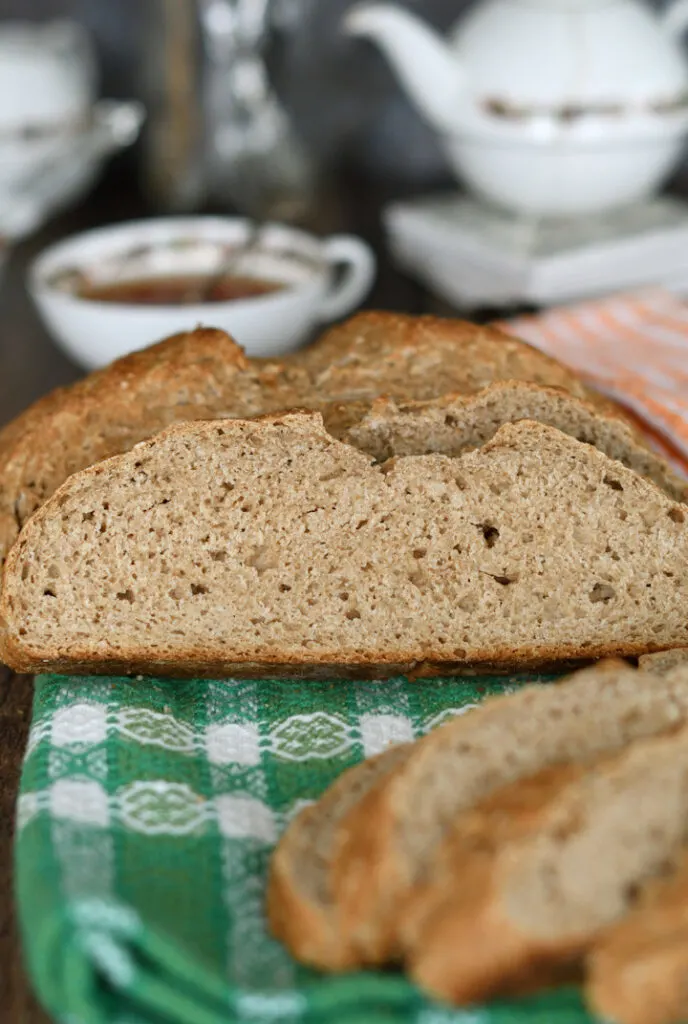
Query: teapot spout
[422,61]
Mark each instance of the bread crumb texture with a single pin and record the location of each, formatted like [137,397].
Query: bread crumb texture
[270,541]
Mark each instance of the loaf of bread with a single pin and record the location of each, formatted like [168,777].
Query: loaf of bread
[389,866]
[268,546]
[205,375]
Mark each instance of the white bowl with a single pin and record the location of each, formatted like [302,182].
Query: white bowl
[94,333]
[566,175]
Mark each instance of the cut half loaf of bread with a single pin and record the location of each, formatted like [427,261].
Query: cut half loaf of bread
[267,545]
[636,973]
[453,424]
[571,871]
[300,907]
[390,866]
[204,375]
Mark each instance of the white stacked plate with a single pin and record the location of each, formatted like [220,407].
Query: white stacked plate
[471,255]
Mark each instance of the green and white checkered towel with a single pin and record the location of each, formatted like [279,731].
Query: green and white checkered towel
[147,813]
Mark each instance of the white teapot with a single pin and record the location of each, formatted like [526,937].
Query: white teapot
[547,107]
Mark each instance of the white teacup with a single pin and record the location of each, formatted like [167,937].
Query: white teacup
[94,333]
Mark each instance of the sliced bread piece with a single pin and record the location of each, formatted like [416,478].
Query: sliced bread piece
[560,882]
[454,423]
[662,662]
[637,971]
[266,545]
[481,834]
[385,859]
[203,374]
[299,902]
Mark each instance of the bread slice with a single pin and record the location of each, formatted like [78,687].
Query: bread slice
[451,424]
[389,868]
[204,375]
[662,662]
[267,545]
[447,902]
[637,971]
[561,881]
[300,908]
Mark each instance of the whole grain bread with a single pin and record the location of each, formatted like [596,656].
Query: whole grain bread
[204,375]
[393,860]
[229,546]
[300,907]
[636,973]
[452,424]
[573,870]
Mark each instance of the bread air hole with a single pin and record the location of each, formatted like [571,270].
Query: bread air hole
[602,592]
[504,581]
[126,595]
[490,533]
[615,485]
[676,515]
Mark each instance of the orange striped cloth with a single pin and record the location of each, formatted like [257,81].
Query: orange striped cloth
[633,347]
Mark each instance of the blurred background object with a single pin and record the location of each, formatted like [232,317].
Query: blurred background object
[271,109]
[54,133]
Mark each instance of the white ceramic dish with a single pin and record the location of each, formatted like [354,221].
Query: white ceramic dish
[44,175]
[94,333]
[54,133]
[563,175]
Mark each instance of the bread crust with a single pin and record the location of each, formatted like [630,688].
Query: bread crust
[636,973]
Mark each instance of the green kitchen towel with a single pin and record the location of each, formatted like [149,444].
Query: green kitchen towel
[146,817]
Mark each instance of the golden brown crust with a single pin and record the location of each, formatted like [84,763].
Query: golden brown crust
[638,972]
[192,663]
[305,926]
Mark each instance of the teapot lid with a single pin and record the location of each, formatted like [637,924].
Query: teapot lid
[569,53]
